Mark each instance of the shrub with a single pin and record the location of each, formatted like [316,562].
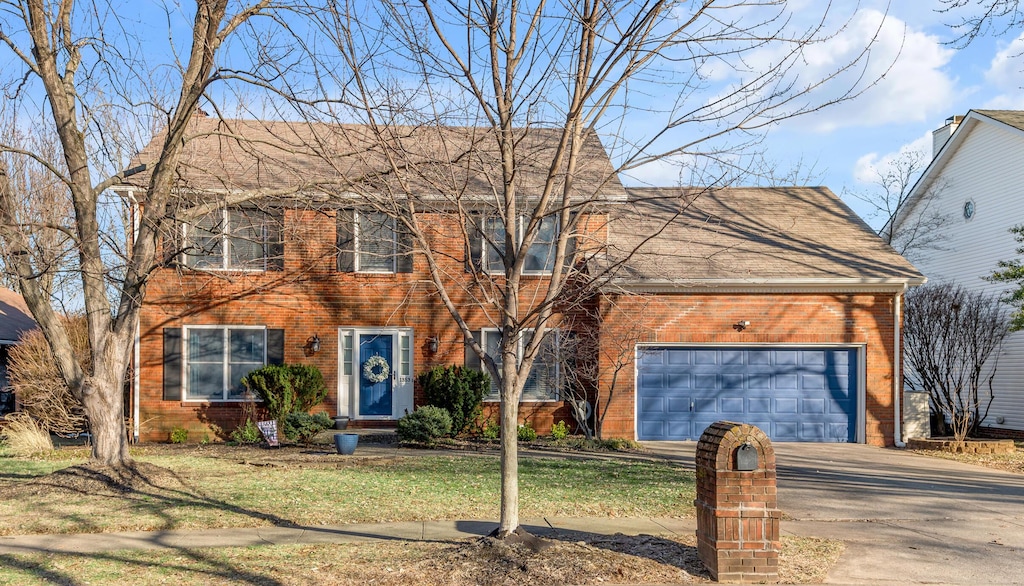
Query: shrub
[526,432]
[285,389]
[247,433]
[425,425]
[179,435]
[560,430]
[304,427]
[458,390]
[32,373]
[491,430]
[25,436]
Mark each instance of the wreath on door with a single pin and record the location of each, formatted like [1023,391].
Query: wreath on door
[376,369]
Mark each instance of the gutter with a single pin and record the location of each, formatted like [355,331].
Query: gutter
[897,378]
[830,285]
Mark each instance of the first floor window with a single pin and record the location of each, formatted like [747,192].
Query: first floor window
[218,357]
[542,384]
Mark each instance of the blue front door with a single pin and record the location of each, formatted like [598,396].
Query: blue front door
[375,396]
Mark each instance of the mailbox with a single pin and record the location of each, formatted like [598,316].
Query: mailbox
[746,458]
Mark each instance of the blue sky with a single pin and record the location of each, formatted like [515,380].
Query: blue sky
[930,80]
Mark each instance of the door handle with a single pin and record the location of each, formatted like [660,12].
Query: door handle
[691,405]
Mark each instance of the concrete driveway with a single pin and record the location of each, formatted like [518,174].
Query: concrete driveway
[905,518]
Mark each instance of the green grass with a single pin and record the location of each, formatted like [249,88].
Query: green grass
[222,492]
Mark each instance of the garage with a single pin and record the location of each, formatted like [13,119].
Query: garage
[794,394]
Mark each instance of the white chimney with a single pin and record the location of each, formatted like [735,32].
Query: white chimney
[940,136]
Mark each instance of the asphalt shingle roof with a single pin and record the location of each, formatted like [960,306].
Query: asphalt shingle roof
[278,157]
[749,234]
[1014,118]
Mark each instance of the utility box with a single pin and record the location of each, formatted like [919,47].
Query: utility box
[737,512]
[917,422]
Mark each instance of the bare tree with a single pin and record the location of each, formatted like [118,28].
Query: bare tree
[912,235]
[79,72]
[952,342]
[976,18]
[480,122]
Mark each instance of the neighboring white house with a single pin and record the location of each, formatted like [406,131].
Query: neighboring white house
[975,183]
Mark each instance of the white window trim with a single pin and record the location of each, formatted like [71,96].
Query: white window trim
[553,396]
[225,243]
[227,350]
[520,234]
[356,249]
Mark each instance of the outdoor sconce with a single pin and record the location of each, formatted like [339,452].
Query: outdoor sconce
[433,344]
[313,344]
[741,325]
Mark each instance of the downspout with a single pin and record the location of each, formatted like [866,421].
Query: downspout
[136,352]
[897,378]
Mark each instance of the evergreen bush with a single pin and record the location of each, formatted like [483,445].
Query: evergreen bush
[304,427]
[458,390]
[425,425]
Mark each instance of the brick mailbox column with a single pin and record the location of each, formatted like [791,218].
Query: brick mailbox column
[737,514]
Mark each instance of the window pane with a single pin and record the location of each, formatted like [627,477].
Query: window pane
[236,371]
[206,345]
[542,383]
[540,257]
[247,345]
[492,347]
[206,381]
[494,230]
[346,357]
[376,242]
[406,356]
[246,240]
[205,247]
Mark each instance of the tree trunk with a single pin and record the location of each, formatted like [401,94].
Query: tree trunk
[104,405]
[509,414]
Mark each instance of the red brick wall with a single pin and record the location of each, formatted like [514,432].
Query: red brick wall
[311,297]
[798,318]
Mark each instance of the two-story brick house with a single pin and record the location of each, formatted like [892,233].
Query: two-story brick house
[775,306]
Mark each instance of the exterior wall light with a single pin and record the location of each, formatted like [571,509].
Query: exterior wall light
[313,344]
[433,344]
[741,325]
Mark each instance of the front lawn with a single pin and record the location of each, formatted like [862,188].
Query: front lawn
[221,486]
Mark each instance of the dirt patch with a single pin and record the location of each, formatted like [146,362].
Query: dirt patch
[98,480]
[641,559]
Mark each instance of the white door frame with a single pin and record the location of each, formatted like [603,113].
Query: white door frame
[350,371]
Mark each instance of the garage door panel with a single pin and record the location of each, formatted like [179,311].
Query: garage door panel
[798,394]
[812,406]
[732,405]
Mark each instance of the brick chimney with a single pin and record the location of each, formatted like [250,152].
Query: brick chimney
[940,136]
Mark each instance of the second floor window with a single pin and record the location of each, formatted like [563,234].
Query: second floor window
[234,239]
[371,242]
[540,256]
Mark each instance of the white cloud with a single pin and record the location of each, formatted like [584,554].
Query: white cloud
[865,170]
[907,63]
[1006,74]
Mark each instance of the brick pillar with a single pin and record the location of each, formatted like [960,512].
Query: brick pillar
[737,514]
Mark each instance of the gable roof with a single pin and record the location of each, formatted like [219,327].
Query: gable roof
[15,318]
[802,237]
[273,157]
[1012,120]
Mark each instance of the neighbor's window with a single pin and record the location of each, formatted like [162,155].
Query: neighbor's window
[231,239]
[542,382]
[216,359]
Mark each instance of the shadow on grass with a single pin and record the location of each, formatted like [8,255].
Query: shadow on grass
[198,565]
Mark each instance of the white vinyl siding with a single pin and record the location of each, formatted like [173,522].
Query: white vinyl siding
[988,168]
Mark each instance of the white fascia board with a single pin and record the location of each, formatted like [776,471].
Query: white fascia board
[937,164]
[838,285]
